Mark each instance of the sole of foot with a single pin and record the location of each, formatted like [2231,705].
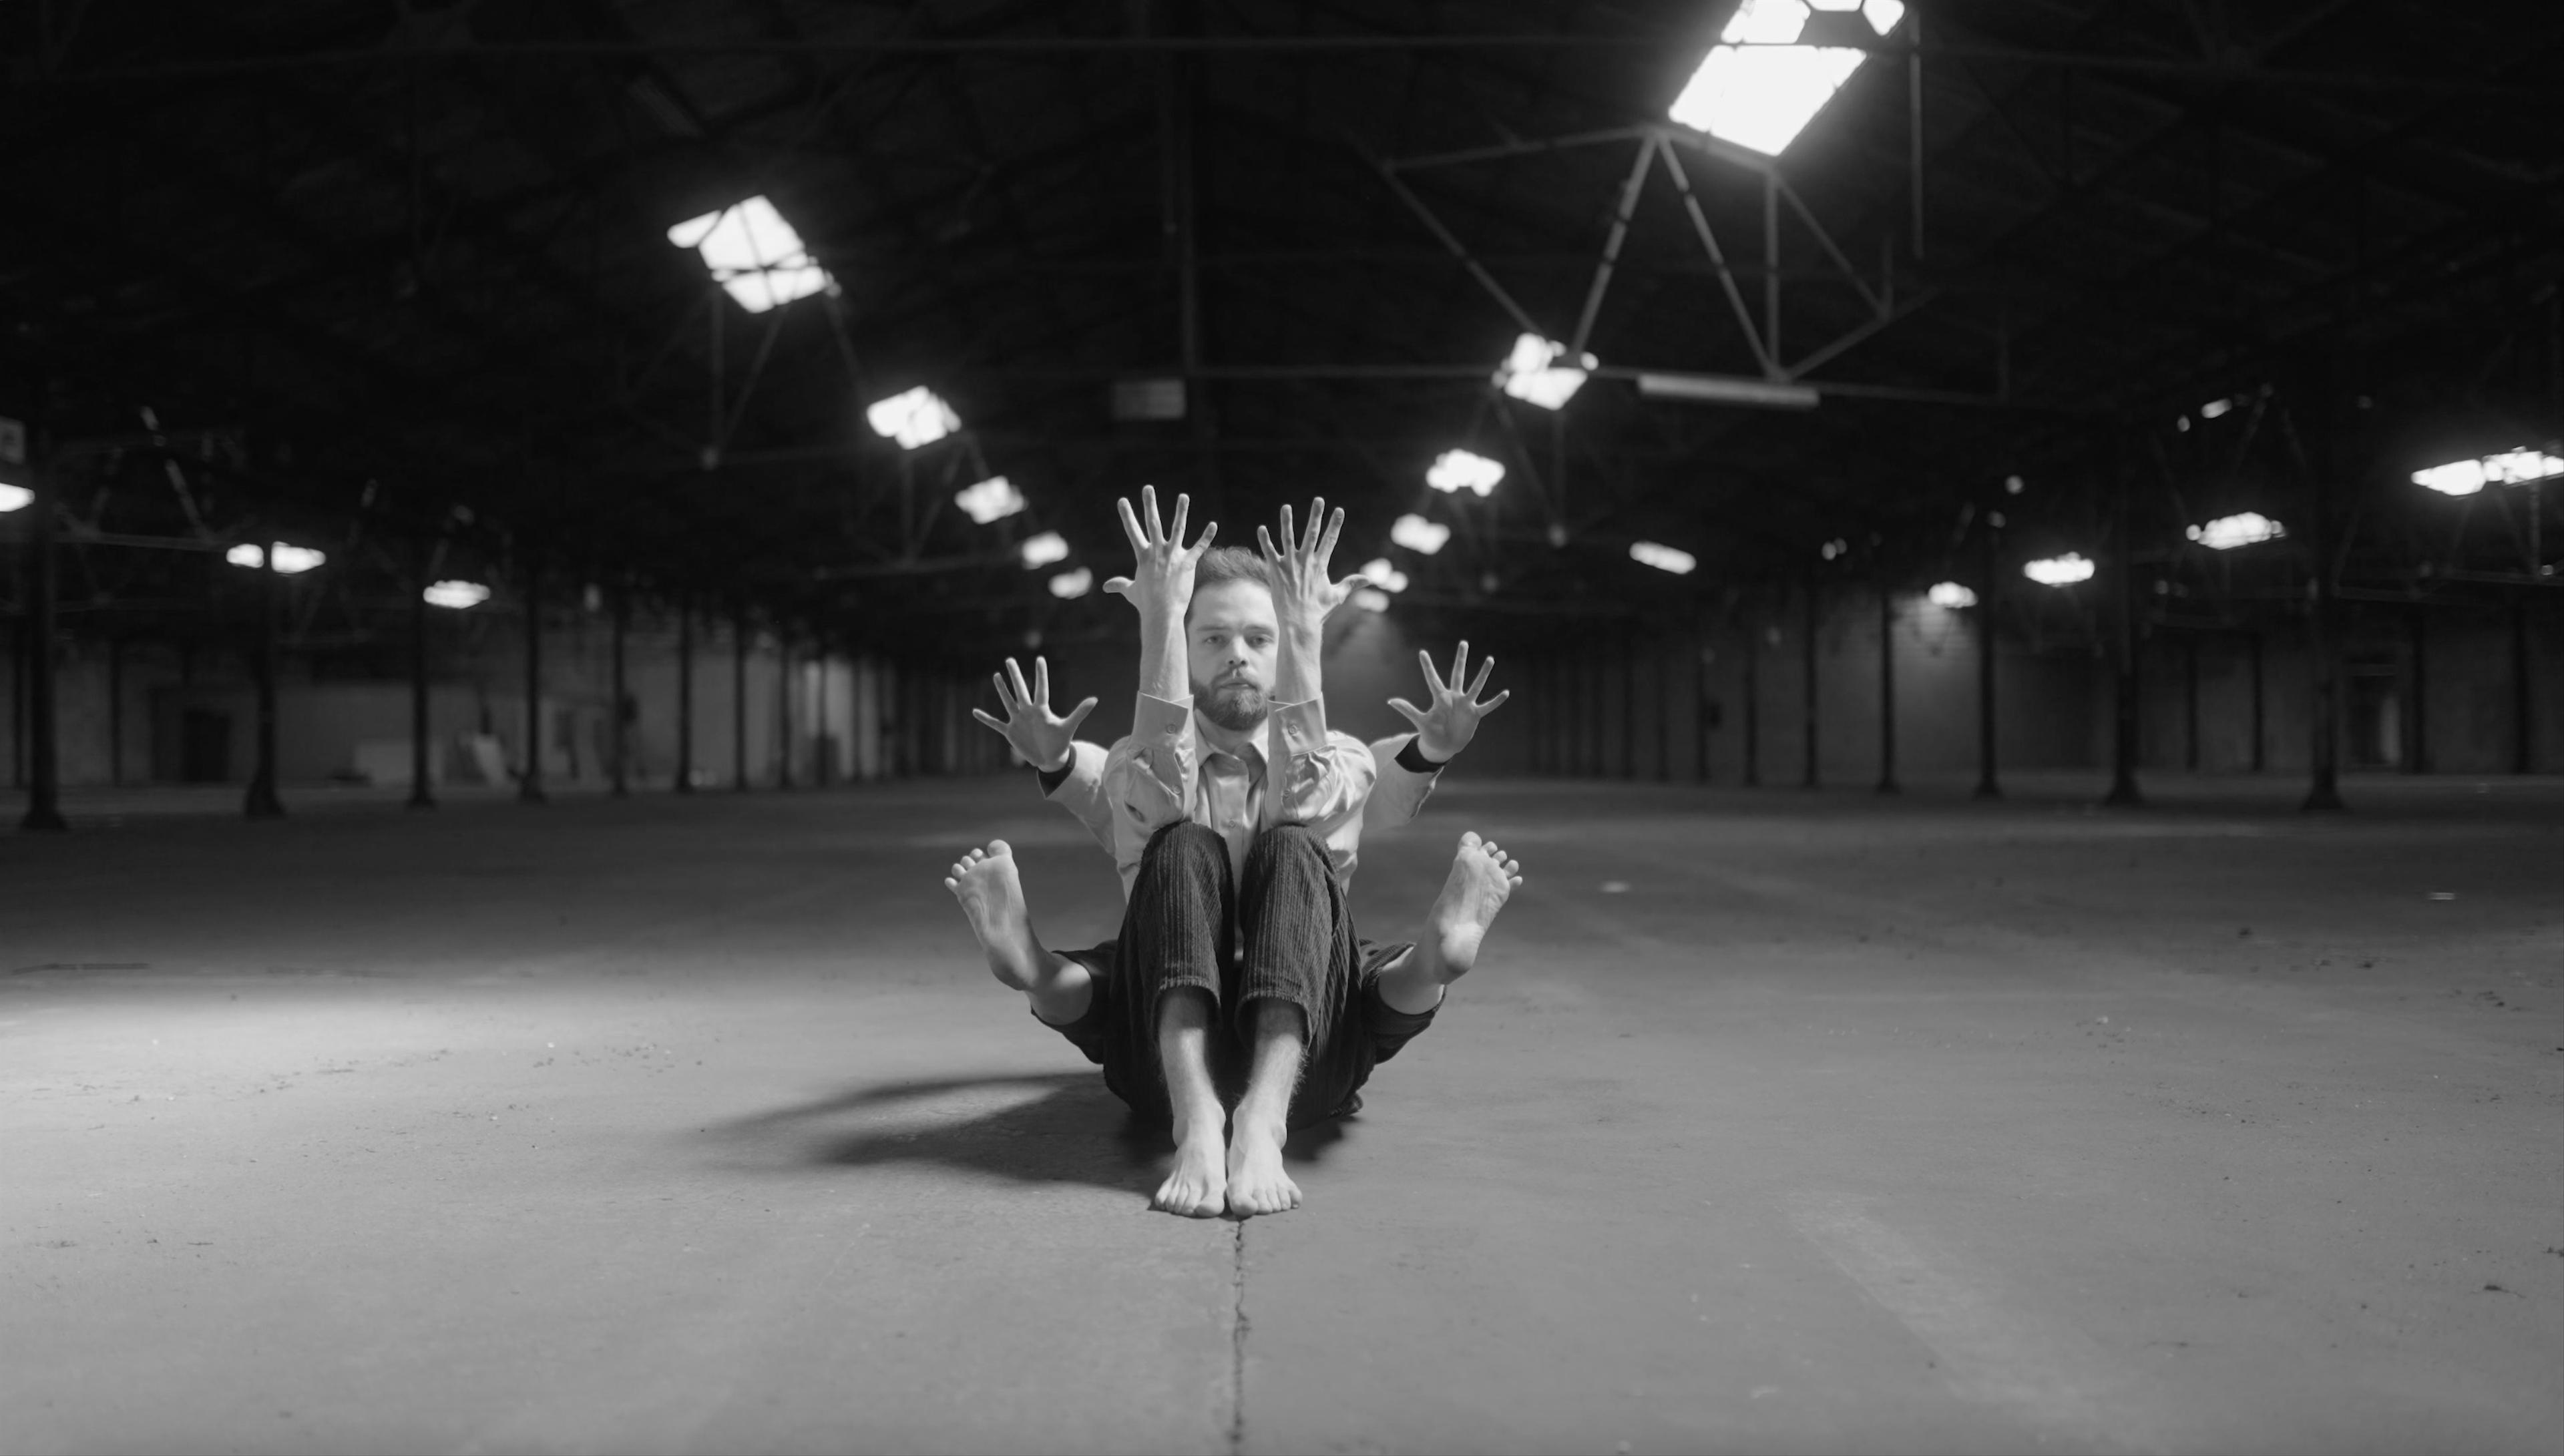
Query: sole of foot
[1256,1181]
[1482,879]
[1198,1187]
[992,897]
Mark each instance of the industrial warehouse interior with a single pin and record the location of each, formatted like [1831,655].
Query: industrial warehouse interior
[1934,625]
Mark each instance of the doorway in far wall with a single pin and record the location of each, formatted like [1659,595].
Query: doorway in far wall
[2376,712]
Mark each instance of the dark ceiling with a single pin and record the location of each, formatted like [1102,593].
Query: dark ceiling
[364,262]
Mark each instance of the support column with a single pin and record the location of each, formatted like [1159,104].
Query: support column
[2324,791]
[262,801]
[44,754]
[1807,653]
[823,766]
[1752,775]
[738,702]
[530,788]
[1630,700]
[2261,706]
[783,744]
[1700,649]
[2190,701]
[618,734]
[685,783]
[2524,737]
[422,791]
[1989,786]
[115,710]
[2416,754]
[1887,693]
[1665,703]
[2123,569]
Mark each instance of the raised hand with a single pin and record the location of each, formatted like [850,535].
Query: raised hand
[1302,595]
[1040,737]
[1163,578]
[1446,728]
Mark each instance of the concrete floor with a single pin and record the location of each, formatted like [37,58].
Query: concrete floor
[1770,1122]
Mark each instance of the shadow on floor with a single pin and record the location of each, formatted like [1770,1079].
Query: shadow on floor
[1053,1127]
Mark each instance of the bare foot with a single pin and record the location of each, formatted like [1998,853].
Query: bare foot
[1256,1181]
[1198,1187]
[992,895]
[1482,879]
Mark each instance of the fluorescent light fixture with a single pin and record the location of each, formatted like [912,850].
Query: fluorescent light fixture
[1950,595]
[912,417]
[754,253]
[2504,468]
[1070,585]
[1728,389]
[15,497]
[1042,550]
[1759,88]
[1371,599]
[2226,533]
[1418,534]
[1532,372]
[1147,399]
[289,561]
[2216,408]
[1663,559]
[457,595]
[1454,471]
[1384,575]
[2062,570]
[1832,549]
[992,499]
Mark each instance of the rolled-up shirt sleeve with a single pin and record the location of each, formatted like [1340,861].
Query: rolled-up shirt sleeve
[1148,778]
[1400,789]
[1312,776]
[1078,786]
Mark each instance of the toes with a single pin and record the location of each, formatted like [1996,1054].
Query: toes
[1493,852]
[1469,840]
[999,847]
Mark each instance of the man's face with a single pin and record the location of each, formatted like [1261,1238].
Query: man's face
[1229,633]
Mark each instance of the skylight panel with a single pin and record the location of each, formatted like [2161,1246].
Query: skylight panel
[1418,534]
[1385,574]
[1532,372]
[912,417]
[990,500]
[456,595]
[1760,88]
[1950,596]
[15,497]
[1041,550]
[1070,585]
[1663,558]
[754,253]
[1371,599]
[2226,533]
[289,561]
[1454,471]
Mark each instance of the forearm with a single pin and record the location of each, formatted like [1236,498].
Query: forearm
[1162,670]
[1298,675]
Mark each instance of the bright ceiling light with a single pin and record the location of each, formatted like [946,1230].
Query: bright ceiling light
[1384,575]
[1663,559]
[289,561]
[2062,570]
[754,253]
[2215,408]
[15,497]
[1760,88]
[1727,389]
[1371,599]
[2504,468]
[1952,595]
[912,417]
[458,595]
[1454,471]
[1070,585]
[1045,549]
[1418,534]
[2226,533]
[992,499]
[1532,373]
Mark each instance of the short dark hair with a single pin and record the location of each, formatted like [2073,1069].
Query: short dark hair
[1228,563]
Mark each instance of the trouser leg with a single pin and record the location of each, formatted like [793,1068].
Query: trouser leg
[1301,949]
[1174,935]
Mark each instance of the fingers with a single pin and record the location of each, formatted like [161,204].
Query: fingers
[1317,519]
[1492,704]
[1264,540]
[1041,681]
[1078,715]
[1459,666]
[985,717]
[1327,542]
[1119,586]
[1407,711]
[1015,675]
[1432,674]
[1211,530]
[1156,527]
[1183,505]
[1290,542]
[1479,686]
[1131,528]
[1005,698]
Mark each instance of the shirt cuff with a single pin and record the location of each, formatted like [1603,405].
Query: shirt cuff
[1161,720]
[1052,778]
[1303,726]
[1412,759]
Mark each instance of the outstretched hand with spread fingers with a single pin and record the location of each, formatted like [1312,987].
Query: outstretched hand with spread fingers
[1303,597]
[1446,728]
[1037,734]
[1164,577]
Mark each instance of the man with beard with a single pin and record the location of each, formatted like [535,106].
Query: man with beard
[1235,818]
